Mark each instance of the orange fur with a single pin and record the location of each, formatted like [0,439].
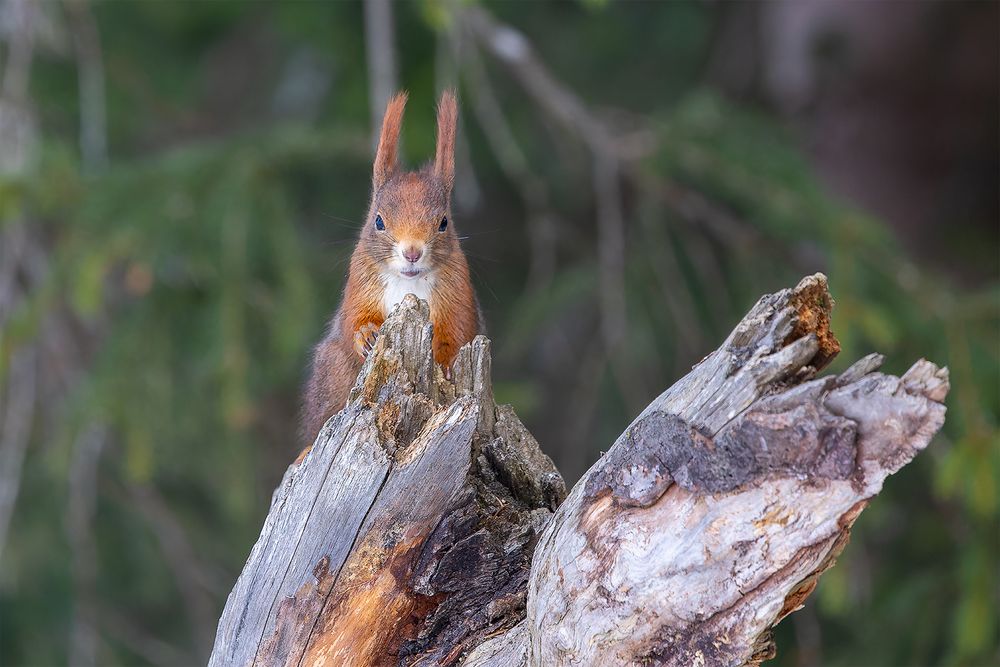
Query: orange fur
[411,206]
[388,140]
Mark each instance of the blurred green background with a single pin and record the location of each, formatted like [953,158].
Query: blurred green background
[181,184]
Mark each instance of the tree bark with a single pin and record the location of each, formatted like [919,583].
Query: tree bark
[427,527]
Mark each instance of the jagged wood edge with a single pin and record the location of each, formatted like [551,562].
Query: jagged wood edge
[689,450]
[414,450]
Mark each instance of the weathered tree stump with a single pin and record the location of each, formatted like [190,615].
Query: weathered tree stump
[427,527]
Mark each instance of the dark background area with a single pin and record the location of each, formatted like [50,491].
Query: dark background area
[181,184]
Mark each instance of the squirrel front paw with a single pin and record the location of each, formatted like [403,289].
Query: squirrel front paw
[364,339]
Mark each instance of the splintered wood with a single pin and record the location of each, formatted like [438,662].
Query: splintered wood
[427,527]
[406,533]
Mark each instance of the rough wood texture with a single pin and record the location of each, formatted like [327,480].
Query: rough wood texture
[406,534]
[420,529]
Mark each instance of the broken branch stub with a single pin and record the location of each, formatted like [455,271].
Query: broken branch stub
[406,534]
[713,514]
[422,528]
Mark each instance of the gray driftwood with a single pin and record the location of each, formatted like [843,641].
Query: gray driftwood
[427,527]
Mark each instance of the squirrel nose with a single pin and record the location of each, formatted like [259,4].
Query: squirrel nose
[412,254]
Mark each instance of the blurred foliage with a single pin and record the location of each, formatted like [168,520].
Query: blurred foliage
[203,262]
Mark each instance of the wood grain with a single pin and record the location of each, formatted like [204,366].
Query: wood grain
[426,526]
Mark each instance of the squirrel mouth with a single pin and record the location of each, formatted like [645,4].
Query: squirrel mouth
[410,273]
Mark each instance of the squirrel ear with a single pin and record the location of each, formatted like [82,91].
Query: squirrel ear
[447,120]
[385,154]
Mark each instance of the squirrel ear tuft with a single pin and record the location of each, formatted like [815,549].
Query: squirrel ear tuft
[388,140]
[447,120]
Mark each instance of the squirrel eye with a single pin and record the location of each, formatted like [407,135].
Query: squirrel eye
[379,225]
[444,224]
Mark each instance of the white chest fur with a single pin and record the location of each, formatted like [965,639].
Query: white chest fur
[395,287]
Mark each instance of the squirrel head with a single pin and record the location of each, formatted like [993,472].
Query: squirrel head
[408,232]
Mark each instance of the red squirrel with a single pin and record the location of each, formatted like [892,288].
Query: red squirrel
[407,245]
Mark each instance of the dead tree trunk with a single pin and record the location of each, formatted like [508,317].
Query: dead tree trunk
[427,527]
